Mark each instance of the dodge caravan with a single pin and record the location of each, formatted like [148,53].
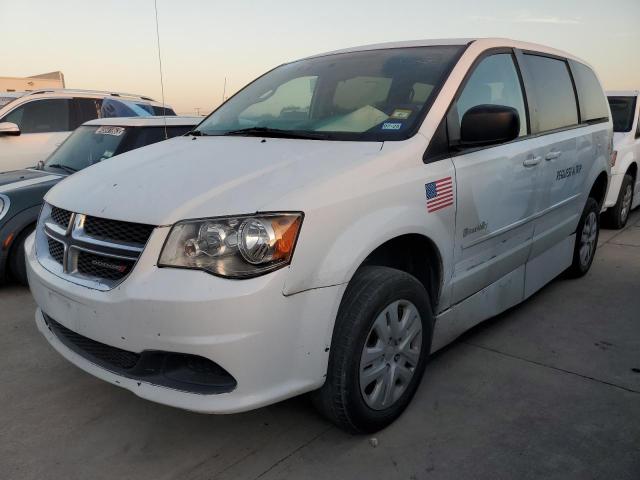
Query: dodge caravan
[328,227]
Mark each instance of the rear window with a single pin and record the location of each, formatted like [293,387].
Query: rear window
[593,103]
[622,110]
[555,100]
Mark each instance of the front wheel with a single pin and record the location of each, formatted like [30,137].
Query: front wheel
[379,350]
[17,262]
[586,239]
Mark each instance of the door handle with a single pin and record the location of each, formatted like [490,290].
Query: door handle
[552,155]
[532,161]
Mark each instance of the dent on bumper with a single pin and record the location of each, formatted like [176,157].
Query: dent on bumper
[274,346]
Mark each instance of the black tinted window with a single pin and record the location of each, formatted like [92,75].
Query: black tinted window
[139,137]
[85,109]
[41,116]
[593,104]
[622,111]
[163,111]
[555,101]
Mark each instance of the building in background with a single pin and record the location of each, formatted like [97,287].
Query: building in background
[35,82]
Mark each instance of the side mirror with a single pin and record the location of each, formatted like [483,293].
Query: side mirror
[485,125]
[8,128]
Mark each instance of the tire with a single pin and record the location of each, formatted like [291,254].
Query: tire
[17,265]
[587,235]
[616,217]
[352,397]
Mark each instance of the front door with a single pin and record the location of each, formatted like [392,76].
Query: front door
[497,188]
[43,123]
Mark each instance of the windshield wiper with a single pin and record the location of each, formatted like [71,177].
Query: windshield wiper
[62,167]
[275,133]
[196,133]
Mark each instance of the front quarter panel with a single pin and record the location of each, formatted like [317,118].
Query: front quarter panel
[351,216]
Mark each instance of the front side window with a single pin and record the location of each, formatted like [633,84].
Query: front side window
[369,95]
[555,100]
[494,81]
[85,146]
[622,110]
[41,116]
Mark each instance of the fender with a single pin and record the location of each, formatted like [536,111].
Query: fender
[14,226]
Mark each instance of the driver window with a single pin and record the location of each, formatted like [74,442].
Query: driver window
[289,103]
[41,116]
[495,81]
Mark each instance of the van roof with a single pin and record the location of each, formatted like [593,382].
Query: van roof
[490,42]
[155,121]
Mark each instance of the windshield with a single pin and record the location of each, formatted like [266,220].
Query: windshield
[622,110]
[368,95]
[85,146]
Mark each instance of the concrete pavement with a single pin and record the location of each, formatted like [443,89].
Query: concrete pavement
[550,389]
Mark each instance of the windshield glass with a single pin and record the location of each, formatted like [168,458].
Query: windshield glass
[622,110]
[368,95]
[85,146]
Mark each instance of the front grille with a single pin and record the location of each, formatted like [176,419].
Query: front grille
[180,371]
[56,250]
[114,230]
[91,251]
[60,216]
[103,267]
[95,351]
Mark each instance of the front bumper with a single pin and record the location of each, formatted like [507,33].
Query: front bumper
[275,346]
[614,190]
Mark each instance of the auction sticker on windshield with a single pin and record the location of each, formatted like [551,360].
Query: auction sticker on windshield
[116,131]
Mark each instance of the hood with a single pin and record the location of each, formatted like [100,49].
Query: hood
[18,179]
[195,177]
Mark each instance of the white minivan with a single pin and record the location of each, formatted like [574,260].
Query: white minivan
[328,227]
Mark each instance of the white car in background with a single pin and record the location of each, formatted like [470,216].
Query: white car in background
[624,190]
[6,97]
[328,227]
[34,123]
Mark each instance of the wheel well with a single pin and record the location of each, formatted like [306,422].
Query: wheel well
[14,243]
[599,189]
[416,255]
[633,170]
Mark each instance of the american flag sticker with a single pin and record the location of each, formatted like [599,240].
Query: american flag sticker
[439,194]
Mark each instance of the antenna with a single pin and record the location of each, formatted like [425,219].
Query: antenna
[164,107]
[224,89]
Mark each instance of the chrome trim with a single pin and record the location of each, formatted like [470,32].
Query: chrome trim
[6,203]
[75,240]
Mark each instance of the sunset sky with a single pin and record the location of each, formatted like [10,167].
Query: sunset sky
[111,44]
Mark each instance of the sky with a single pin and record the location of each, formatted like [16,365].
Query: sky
[112,45]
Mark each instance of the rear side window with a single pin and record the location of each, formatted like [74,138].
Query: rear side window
[41,116]
[555,100]
[86,109]
[622,110]
[593,103]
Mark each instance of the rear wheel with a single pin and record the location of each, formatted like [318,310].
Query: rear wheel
[617,216]
[17,263]
[379,350]
[586,239]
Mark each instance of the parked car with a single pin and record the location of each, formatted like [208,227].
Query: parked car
[624,191]
[22,191]
[328,227]
[35,123]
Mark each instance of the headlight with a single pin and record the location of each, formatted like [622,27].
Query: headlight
[4,205]
[235,247]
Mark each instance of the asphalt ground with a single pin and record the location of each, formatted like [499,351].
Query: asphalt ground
[548,390]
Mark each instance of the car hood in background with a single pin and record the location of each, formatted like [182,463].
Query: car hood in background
[25,178]
[195,177]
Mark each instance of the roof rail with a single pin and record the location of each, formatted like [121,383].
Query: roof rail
[97,92]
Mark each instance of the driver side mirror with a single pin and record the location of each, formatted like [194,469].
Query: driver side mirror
[8,128]
[485,125]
